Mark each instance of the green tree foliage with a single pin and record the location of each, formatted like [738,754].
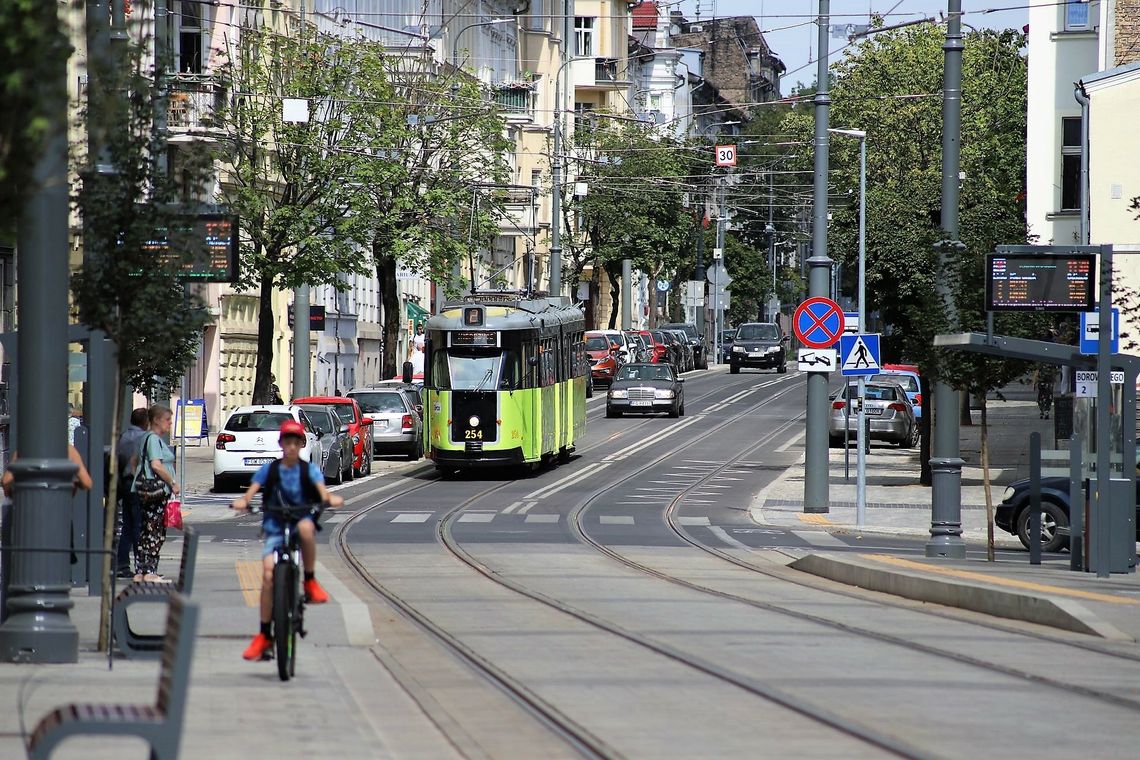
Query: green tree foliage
[288,182]
[33,45]
[638,205]
[429,194]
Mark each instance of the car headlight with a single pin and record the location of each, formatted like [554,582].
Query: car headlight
[1009,492]
[619,394]
[738,349]
[772,350]
[663,394]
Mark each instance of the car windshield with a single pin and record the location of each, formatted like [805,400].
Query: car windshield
[687,329]
[758,332]
[880,393]
[257,421]
[380,402]
[321,419]
[596,343]
[728,335]
[908,382]
[345,412]
[645,372]
[659,336]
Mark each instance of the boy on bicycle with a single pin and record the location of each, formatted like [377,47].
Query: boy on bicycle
[288,481]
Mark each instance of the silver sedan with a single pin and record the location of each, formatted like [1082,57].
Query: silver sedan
[890,415]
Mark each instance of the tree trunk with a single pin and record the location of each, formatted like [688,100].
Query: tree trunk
[595,289]
[615,297]
[986,482]
[262,393]
[652,303]
[390,301]
[964,418]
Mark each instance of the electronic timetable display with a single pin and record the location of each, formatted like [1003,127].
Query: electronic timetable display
[1041,282]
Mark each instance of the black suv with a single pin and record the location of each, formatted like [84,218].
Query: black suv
[761,345]
[696,341]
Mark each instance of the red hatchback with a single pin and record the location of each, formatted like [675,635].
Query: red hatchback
[603,355]
[660,350]
[359,428]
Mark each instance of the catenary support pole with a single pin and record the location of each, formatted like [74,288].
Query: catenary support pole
[626,294]
[861,475]
[946,462]
[816,487]
[39,627]
[301,353]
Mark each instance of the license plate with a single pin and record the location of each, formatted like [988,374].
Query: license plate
[641,403]
[258,460]
[382,424]
[755,353]
[873,412]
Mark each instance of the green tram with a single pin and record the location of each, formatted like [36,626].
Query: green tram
[504,381]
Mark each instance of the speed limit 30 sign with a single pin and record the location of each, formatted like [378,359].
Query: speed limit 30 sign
[726,155]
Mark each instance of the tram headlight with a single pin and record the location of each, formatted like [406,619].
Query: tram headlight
[474,421]
[663,394]
[619,394]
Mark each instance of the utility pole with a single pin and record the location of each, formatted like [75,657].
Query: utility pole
[816,486]
[301,367]
[38,627]
[626,294]
[946,462]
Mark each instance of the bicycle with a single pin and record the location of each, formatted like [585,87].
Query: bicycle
[288,601]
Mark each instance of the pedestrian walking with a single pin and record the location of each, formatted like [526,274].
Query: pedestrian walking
[130,516]
[154,483]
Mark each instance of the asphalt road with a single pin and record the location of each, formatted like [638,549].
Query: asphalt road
[627,605]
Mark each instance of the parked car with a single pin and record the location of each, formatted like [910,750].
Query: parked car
[642,351]
[604,358]
[726,338]
[890,415]
[248,440]
[336,444]
[413,391]
[1012,515]
[624,343]
[396,427]
[645,387]
[673,353]
[762,345]
[688,358]
[696,343]
[657,347]
[359,429]
[910,382]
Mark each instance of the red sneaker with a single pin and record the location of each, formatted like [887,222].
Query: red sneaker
[314,594]
[258,649]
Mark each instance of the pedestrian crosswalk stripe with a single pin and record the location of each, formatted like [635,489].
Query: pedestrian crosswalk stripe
[477,517]
[542,518]
[692,521]
[412,517]
[615,520]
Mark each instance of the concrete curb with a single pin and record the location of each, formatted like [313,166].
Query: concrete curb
[1055,613]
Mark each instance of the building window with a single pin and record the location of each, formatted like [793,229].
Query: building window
[1077,16]
[1070,163]
[536,177]
[189,38]
[583,35]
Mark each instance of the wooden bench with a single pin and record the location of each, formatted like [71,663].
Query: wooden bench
[132,644]
[160,724]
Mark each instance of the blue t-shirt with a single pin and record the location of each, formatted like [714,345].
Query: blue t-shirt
[289,480]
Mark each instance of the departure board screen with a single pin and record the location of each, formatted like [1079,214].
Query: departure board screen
[1028,282]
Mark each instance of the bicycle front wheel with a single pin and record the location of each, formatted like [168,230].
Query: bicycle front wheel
[284,634]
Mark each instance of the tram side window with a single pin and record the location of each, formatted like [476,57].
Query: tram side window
[549,369]
[511,371]
[440,376]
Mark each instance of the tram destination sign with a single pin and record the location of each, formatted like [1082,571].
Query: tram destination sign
[475,338]
[1040,282]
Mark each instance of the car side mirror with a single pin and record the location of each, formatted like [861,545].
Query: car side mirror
[408,372]
[784,339]
[344,429]
[320,434]
[680,379]
[365,420]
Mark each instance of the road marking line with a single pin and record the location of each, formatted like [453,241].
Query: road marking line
[692,521]
[601,466]
[477,517]
[818,538]
[542,518]
[527,506]
[641,445]
[338,518]
[1027,585]
[513,506]
[722,534]
[249,581]
[698,501]
[412,517]
[813,519]
[562,483]
[615,520]
[357,619]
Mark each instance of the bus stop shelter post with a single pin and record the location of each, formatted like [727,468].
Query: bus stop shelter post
[1103,501]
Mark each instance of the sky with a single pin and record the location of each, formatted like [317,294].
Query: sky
[789,25]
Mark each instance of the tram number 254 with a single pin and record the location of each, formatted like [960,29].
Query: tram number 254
[471,435]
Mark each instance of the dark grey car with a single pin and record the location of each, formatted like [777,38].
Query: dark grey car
[335,443]
[696,342]
[762,345]
[641,388]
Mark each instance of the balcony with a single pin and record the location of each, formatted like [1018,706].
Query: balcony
[606,71]
[515,101]
[194,99]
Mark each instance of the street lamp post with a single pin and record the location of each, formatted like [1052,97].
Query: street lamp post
[699,275]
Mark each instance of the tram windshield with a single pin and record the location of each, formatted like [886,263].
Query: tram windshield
[466,370]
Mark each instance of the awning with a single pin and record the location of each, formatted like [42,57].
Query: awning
[416,313]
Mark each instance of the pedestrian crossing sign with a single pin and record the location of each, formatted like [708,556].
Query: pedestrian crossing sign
[859,354]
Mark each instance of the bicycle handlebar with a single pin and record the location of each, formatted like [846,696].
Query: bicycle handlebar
[292,512]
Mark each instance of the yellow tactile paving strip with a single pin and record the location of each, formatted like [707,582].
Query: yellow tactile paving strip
[813,519]
[249,577]
[998,581]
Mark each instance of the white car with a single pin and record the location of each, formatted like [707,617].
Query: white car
[249,439]
[628,350]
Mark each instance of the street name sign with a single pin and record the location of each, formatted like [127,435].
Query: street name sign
[816,359]
[859,354]
[1086,382]
[1090,332]
[818,322]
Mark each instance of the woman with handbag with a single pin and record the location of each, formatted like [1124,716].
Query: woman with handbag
[154,484]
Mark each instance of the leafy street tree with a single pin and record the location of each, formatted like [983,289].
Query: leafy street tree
[635,207]
[33,43]
[429,194]
[891,87]
[289,182]
[130,285]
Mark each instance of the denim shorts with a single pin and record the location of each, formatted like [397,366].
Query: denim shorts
[273,531]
